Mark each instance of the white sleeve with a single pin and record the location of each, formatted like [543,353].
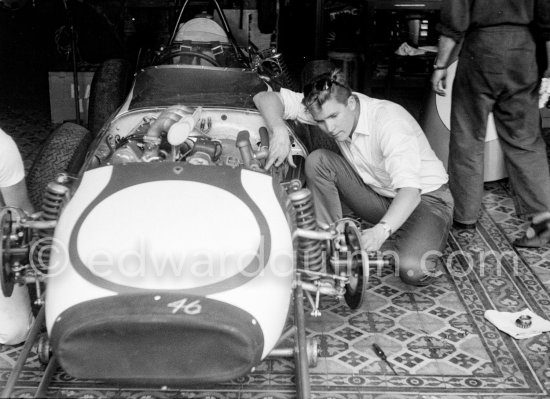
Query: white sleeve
[293,107]
[398,138]
[12,170]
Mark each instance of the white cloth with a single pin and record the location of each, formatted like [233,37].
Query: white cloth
[406,50]
[388,148]
[15,311]
[12,170]
[506,321]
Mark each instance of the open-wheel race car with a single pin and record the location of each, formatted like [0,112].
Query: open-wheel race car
[164,238]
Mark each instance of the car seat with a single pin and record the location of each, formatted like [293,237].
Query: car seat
[201,29]
[201,41]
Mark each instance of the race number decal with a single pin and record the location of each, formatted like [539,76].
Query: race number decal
[191,308]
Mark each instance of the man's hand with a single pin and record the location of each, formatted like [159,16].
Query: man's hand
[279,148]
[270,105]
[373,238]
[439,81]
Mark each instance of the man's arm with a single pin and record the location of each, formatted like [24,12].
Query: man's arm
[439,77]
[271,107]
[402,206]
[17,196]
[454,22]
[542,18]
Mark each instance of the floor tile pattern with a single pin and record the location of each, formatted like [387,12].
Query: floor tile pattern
[436,337]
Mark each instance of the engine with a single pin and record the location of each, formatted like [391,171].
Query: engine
[214,137]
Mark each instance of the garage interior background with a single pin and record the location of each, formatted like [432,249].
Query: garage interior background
[358,34]
[34,58]
[35,39]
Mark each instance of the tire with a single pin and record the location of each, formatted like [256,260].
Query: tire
[320,139]
[43,349]
[108,90]
[63,152]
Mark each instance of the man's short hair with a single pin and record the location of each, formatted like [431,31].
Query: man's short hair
[327,85]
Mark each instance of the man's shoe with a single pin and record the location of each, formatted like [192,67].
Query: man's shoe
[537,234]
[534,242]
[463,226]
[540,226]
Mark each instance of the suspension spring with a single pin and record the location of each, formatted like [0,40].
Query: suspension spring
[310,251]
[277,67]
[286,78]
[53,199]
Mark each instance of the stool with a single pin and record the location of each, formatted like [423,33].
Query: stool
[349,63]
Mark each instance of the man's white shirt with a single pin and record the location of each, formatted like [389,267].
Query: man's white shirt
[388,149]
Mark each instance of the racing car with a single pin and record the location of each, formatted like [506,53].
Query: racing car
[164,238]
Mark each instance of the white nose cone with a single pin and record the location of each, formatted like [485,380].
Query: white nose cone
[169,235]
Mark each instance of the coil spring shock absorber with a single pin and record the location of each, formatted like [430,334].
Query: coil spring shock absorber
[310,251]
[278,67]
[55,193]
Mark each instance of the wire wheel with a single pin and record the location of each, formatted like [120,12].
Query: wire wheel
[6,277]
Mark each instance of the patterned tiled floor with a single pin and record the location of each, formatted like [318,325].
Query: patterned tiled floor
[436,338]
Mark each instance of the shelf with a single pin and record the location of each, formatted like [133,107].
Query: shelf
[405,5]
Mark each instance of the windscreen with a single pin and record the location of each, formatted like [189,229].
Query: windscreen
[195,85]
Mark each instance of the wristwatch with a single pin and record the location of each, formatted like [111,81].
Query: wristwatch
[439,67]
[386,227]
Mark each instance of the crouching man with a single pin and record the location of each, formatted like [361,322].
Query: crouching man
[388,174]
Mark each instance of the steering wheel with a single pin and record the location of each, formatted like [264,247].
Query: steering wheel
[187,53]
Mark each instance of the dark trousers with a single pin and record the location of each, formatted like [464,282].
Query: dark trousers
[497,72]
[420,240]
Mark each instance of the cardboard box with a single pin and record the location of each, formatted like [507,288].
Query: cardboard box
[62,95]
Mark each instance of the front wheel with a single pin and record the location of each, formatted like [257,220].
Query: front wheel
[43,349]
[63,152]
[350,259]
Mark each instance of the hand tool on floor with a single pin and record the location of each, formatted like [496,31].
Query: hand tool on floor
[380,353]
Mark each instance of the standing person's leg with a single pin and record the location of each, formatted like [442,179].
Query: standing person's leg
[470,109]
[517,119]
[332,180]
